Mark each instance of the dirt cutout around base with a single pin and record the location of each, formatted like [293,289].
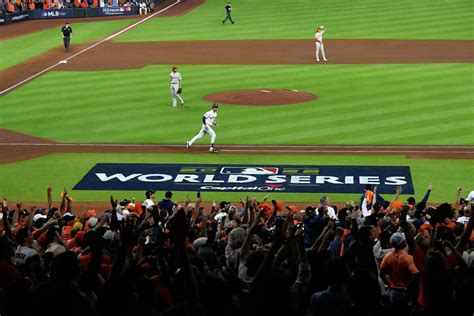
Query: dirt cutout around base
[261,97]
[16,146]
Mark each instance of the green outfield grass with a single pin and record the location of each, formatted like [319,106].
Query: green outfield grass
[28,180]
[17,50]
[282,19]
[428,104]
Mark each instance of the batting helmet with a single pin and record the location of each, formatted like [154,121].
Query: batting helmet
[215,106]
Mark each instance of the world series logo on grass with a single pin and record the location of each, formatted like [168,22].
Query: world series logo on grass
[245,178]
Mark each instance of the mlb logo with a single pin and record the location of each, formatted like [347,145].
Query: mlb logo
[250,170]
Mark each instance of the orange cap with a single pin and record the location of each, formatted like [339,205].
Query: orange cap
[293,209]
[397,205]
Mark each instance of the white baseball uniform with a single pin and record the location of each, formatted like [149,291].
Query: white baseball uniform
[208,120]
[319,44]
[175,79]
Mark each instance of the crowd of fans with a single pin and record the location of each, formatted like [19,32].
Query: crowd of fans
[12,6]
[249,258]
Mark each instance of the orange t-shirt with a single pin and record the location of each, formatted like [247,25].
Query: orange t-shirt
[398,267]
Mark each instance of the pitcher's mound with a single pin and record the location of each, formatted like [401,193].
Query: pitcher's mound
[261,97]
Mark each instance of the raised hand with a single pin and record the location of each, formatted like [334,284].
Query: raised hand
[399,190]
[113,202]
[4,202]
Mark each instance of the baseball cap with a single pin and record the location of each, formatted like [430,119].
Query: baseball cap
[168,194]
[224,204]
[77,226]
[68,217]
[309,210]
[91,213]
[174,68]
[109,235]
[38,216]
[293,209]
[92,222]
[149,193]
[215,106]
[411,200]
[124,202]
[397,239]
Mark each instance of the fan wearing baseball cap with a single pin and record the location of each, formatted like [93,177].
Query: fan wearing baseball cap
[398,269]
[150,199]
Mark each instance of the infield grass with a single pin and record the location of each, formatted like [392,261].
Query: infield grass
[282,19]
[28,180]
[426,104]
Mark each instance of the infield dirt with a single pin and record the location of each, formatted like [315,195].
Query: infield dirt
[16,147]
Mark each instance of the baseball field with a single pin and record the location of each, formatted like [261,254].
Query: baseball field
[396,91]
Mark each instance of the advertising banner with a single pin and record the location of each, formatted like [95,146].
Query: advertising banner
[113,11]
[246,178]
[53,14]
[14,17]
[19,17]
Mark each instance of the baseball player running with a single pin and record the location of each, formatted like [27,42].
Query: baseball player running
[319,42]
[175,80]
[209,119]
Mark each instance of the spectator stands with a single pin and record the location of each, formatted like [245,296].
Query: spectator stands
[234,259]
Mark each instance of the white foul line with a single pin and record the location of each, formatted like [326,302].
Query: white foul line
[87,48]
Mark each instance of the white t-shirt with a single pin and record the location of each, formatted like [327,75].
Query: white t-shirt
[148,203]
[22,254]
[463,220]
[332,213]
[470,197]
[210,117]
[319,36]
[175,77]
[56,249]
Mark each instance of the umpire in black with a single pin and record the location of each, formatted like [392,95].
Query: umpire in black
[66,31]
[228,11]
